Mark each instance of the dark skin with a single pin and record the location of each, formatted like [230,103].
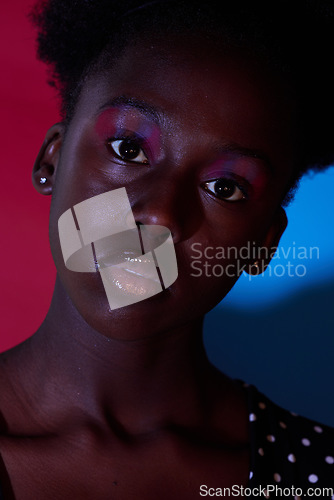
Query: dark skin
[124,404]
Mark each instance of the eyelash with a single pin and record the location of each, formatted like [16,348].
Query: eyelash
[233,183]
[139,143]
[129,139]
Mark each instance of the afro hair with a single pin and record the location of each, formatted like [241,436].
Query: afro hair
[296,38]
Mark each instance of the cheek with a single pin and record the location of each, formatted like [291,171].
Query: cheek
[219,252]
[80,173]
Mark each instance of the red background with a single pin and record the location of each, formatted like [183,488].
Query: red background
[28,108]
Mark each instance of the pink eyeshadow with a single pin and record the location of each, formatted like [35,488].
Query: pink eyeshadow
[114,121]
[106,124]
[234,164]
[153,141]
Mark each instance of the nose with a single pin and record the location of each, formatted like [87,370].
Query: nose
[166,201]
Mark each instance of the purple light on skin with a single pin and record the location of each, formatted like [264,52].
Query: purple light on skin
[234,165]
[152,139]
[106,125]
[127,121]
[239,164]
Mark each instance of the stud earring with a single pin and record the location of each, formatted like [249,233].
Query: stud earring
[256,264]
[43,180]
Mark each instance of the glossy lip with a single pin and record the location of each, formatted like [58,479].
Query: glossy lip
[140,269]
[134,263]
[113,253]
[129,283]
[108,258]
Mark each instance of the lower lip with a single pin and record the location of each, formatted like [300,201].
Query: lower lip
[127,284]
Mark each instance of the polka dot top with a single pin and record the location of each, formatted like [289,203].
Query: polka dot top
[292,454]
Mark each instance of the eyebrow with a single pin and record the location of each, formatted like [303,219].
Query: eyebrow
[132,102]
[257,154]
[157,115]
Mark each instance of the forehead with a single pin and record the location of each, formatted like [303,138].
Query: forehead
[199,87]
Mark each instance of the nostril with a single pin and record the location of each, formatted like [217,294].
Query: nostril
[153,236]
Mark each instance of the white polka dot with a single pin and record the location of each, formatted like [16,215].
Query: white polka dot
[252,417]
[250,475]
[318,429]
[262,406]
[291,458]
[271,438]
[294,414]
[306,442]
[330,460]
[261,452]
[313,478]
[283,425]
[277,477]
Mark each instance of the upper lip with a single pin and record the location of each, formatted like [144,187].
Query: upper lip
[116,248]
[112,257]
[134,264]
[124,250]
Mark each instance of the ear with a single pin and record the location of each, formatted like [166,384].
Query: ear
[45,167]
[269,244]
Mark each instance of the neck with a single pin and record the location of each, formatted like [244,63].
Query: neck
[140,384]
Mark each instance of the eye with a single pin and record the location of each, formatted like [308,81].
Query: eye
[225,189]
[128,150]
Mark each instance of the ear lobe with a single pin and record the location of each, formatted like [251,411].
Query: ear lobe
[276,230]
[45,166]
[270,243]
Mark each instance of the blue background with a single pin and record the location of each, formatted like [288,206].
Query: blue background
[278,332]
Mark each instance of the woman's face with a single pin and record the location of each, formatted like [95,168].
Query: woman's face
[203,143]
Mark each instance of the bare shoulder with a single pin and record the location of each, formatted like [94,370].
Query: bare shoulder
[12,400]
